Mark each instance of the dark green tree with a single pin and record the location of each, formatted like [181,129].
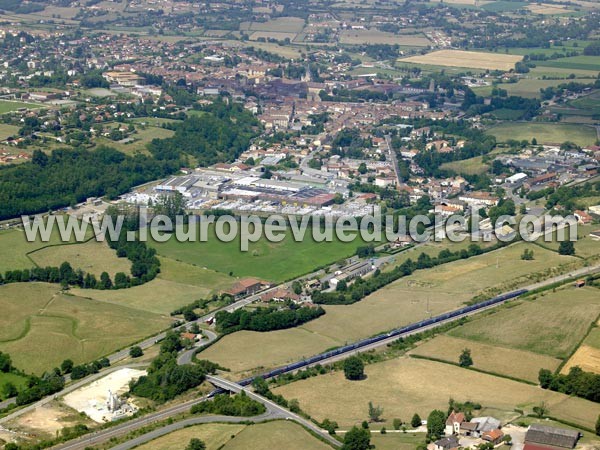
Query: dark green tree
[195,444]
[357,439]
[415,422]
[136,351]
[354,368]
[465,359]
[566,248]
[436,423]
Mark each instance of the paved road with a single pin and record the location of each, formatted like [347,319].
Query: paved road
[187,356]
[234,387]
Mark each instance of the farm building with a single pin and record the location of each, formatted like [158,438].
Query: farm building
[543,435]
[245,286]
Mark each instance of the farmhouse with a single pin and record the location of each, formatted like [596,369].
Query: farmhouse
[545,436]
[245,286]
[582,217]
[446,443]
[453,422]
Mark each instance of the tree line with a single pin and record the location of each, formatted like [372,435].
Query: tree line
[576,382]
[239,405]
[265,319]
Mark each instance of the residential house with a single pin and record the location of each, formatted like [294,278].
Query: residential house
[453,422]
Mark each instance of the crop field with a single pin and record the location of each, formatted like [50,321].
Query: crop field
[545,133]
[8,106]
[279,35]
[504,361]
[503,6]
[586,357]
[276,435]
[459,58]
[546,9]
[91,257]
[529,88]
[410,299]
[287,51]
[178,284]
[356,37]
[267,260]
[560,320]
[59,326]
[280,24]
[404,386]
[573,62]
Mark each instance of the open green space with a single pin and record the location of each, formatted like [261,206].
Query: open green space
[545,133]
[8,106]
[139,140]
[178,284]
[266,260]
[471,166]
[410,299]
[403,386]
[275,435]
[585,246]
[527,87]
[573,62]
[18,381]
[553,324]
[40,326]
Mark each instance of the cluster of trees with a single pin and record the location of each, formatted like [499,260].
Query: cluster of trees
[354,368]
[351,95]
[349,143]
[221,133]
[361,287]
[39,387]
[67,177]
[265,319]
[505,207]
[566,196]
[576,382]
[239,405]
[83,370]
[261,387]
[166,379]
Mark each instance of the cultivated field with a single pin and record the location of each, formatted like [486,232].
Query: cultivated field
[504,361]
[586,357]
[356,37]
[410,299]
[529,88]
[407,385]
[459,58]
[279,35]
[275,435]
[267,260]
[40,326]
[546,9]
[552,324]
[280,24]
[545,133]
[177,285]
[92,257]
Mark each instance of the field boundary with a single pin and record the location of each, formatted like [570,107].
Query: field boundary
[578,346]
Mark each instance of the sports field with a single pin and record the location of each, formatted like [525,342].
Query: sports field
[552,324]
[460,58]
[274,435]
[504,361]
[545,133]
[404,386]
[267,260]
[40,326]
[410,299]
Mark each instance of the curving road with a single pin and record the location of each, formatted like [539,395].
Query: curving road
[187,356]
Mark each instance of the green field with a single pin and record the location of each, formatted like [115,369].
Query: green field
[585,246]
[40,326]
[529,88]
[15,248]
[551,325]
[513,363]
[425,293]
[141,139]
[273,435]
[269,261]
[8,106]
[589,102]
[91,257]
[545,133]
[17,380]
[178,284]
[573,62]
[471,166]
[404,386]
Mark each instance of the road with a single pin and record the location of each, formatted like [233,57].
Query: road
[394,159]
[187,356]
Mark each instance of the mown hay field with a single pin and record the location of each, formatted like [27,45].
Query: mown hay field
[404,386]
[40,326]
[410,299]
[460,58]
[490,358]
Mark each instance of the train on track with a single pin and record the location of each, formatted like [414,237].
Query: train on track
[399,332]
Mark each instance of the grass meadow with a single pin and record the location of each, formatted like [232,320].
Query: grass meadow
[545,133]
[276,435]
[41,326]
[406,385]
[410,299]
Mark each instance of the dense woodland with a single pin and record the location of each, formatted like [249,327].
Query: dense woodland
[265,319]
[576,382]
